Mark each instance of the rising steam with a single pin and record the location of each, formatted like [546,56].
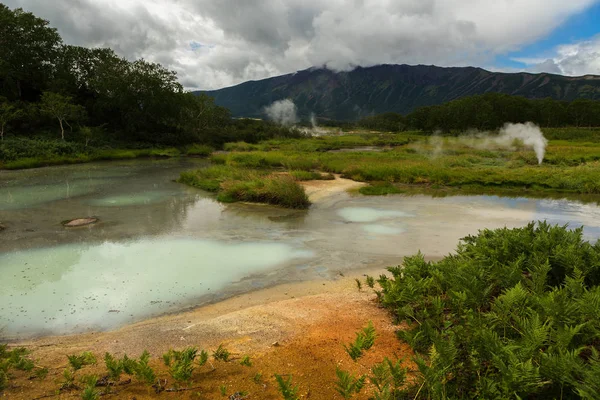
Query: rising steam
[282,112]
[528,134]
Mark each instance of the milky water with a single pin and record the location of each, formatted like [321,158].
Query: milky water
[163,247]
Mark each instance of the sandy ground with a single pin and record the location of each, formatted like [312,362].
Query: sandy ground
[318,190]
[295,329]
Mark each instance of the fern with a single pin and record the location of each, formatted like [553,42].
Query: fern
[246,361]
[370,281]
[287,390]
[181,364]
[202,358]
[114,367]
[364,341]
[514,313]
[79,361]
[221,354]
[347,385]
[142,370]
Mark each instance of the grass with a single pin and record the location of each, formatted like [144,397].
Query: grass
[325,143]
[568,167]
[233,184]
[100,155]
[25,153]
[200,150]
[300,175]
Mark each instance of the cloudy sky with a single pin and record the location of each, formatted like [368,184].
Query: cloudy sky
[218,43]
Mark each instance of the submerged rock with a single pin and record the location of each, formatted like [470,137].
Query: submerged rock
[73,223]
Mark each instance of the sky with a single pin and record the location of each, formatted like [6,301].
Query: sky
[218,43]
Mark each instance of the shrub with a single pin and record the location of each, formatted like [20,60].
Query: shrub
[512,314]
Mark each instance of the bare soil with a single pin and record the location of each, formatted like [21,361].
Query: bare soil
[296,329]
[318,190]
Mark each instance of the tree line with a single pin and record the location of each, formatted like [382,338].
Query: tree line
[488,112]
[93,95]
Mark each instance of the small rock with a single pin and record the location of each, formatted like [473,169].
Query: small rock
[73,223]
[275,344]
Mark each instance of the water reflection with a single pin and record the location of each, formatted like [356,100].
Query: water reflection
[161,245]
[102,286]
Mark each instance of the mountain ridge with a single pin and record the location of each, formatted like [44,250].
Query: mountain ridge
[401,88]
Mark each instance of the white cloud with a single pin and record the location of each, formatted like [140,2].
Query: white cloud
[216,43]
[576,59]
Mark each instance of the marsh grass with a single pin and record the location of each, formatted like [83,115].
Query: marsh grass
[258,186]
[569,167]
[325,143]
[200,150]
[97,155]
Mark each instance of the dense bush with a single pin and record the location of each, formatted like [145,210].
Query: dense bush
[513,314]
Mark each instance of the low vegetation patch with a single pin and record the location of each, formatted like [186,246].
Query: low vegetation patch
[259,186]
[365,339]
[460,163]
[513,314]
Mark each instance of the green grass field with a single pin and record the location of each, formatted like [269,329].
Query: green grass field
[419,162]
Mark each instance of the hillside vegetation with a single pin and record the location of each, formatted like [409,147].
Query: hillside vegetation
[351,95]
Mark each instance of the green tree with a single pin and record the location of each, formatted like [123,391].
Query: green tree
[28,48]
[62,108]
[8,112]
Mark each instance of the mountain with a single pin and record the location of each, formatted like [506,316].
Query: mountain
[392,88]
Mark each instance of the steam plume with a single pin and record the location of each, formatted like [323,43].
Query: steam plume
[528,134]
[283,112]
